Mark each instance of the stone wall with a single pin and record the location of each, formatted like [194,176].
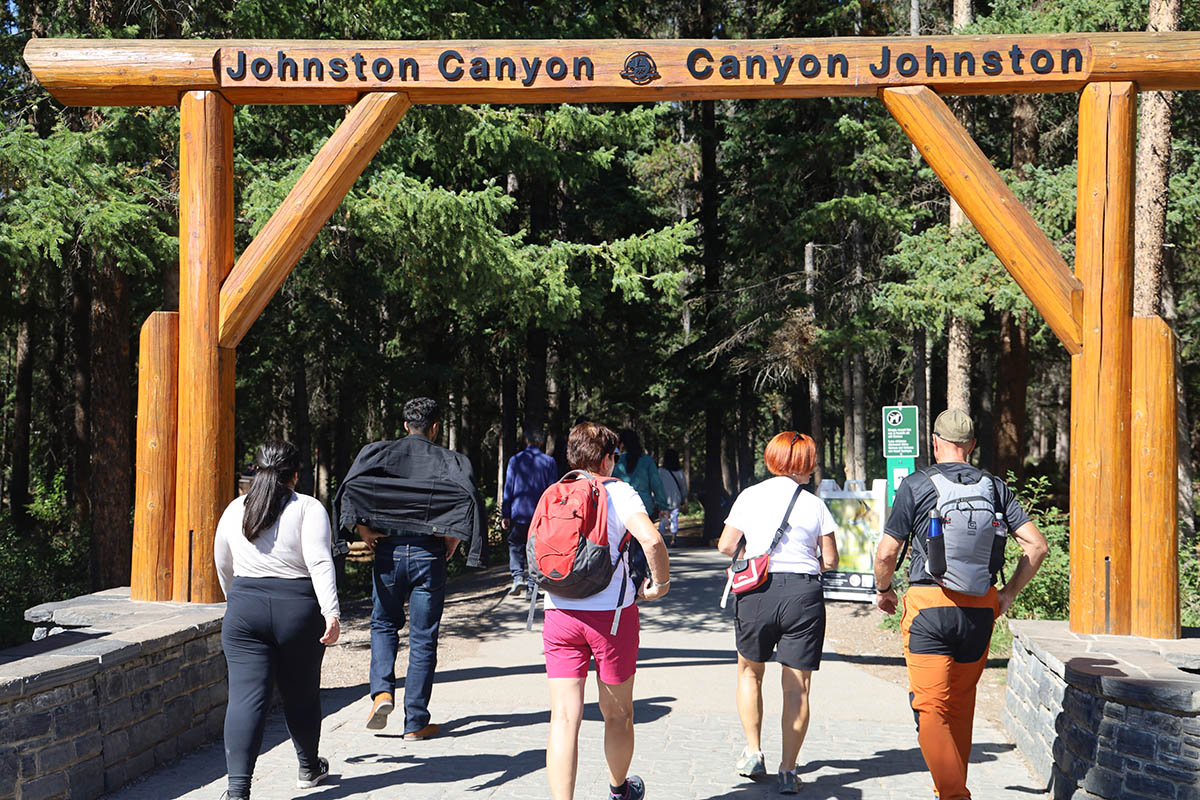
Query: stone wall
[1105,717]
[127,687]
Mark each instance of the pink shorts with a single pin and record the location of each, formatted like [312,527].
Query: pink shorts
[572,638]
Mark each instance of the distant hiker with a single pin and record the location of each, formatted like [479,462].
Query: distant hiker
[957,519]
[272,552]
[528,474]
[675,484]
[639,471]
[412,502]
[581,561]
[785,615]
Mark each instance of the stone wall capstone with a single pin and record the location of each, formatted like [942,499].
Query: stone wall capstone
[118,688]
[1105,717]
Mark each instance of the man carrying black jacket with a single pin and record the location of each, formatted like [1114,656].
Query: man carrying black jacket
[412,502]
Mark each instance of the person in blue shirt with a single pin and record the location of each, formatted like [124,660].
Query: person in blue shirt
[528,474]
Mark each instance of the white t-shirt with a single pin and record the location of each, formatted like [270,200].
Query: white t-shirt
[296,546]
[758,511]
[623,503]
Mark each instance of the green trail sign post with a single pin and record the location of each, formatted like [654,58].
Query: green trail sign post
[901,444]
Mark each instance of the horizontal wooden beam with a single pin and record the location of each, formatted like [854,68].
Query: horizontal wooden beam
[1005,224]
[157,72]
[277,248]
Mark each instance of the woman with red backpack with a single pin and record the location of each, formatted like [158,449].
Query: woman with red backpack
[578,553]
[784,613]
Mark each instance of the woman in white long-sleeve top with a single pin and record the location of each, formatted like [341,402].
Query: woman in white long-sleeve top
[273,558]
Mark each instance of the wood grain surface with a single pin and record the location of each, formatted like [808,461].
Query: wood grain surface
[144,72]
[157,427]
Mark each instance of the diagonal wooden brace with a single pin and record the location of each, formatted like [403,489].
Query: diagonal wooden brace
[1008,228]
[277,248]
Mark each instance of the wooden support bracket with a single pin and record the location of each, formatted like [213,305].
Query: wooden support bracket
[1008,228]
[277,248]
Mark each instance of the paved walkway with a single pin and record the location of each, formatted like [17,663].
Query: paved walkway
[492,706]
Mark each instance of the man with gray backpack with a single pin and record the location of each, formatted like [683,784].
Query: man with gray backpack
[957,519]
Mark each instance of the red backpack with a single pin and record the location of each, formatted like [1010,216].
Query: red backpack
[567,549]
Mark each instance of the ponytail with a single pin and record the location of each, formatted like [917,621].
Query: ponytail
[269,493]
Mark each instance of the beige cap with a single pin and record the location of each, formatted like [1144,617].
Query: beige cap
[954,425]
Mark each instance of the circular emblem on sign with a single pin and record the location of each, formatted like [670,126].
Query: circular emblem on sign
[895,418]
[640,68]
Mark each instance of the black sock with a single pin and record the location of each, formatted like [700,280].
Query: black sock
[619,791]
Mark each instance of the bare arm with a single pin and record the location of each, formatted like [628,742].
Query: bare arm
[730,542]
[1034,550]
[885,569]
[651,541]
[828,553]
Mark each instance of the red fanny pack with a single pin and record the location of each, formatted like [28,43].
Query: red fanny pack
[745,574]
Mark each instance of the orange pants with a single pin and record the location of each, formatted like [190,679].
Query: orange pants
[946,637]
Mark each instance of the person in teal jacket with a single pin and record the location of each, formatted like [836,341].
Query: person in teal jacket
[639,471]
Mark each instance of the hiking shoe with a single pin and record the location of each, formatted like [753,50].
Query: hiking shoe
[311,777]
[227,796]
[789,782]
[752,764]
[428,732]
[635,789]
[380,710]
[517,588]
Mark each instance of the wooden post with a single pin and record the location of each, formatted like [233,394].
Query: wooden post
[1155,571]
[157,425]
[205,470]
[265,264]
[1101,374]
[1008,228]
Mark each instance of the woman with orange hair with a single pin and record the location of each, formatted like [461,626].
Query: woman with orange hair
[786,614]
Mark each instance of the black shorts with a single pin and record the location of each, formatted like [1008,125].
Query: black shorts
[786,615]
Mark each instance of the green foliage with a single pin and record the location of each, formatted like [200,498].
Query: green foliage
[38,570]
[1046,595]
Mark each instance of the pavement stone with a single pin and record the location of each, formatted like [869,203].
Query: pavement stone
[491,703]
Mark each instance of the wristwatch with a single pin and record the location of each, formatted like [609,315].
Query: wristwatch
[885,589]
[655,584]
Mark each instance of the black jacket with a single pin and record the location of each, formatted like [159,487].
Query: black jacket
[414,485]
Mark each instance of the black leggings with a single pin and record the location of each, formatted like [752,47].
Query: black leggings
[271,632]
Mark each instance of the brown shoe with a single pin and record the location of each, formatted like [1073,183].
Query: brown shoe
[379,712]
[428,732]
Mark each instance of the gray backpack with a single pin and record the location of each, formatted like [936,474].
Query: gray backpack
[969,532]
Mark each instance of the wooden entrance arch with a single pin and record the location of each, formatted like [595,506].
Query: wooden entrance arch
[1123,547]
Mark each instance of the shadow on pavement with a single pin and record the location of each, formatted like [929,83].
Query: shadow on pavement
[434,769]
[647,709]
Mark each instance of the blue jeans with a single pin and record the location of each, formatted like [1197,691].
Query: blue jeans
[517,535]
[411,568]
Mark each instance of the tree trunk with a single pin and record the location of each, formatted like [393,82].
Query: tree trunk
[19,494]
[729,476]
[324,469]
[343,431]
[559,391]
[535,379]
[958,365]
[714,517]
[1185,488]
[745,439]
[848,434]
[1153,166]
[860,418]
[985,424]
[301,424]
[112,428]
[921,391]
[80,483]
[506,446]
[1012,380]
[1062,424]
